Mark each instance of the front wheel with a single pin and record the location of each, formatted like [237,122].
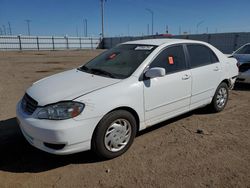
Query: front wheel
[114,134]
[220,98]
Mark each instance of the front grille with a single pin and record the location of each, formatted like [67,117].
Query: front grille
[244,67]
[29,105]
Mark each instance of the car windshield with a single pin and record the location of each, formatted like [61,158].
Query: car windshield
[119,62]
[244,50]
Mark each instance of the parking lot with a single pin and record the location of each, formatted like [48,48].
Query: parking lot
[170,154]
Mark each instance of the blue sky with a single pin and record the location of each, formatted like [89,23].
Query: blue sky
[123,17]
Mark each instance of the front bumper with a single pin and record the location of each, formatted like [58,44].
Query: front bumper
[244,77]
[74,135]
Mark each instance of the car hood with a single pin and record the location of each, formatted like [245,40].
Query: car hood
[67,86]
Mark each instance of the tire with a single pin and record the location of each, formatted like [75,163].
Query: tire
[220,98]
[114,134]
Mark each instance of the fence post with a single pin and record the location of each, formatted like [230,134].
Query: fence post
[80,41]
[37,42]
[20,43]
[53,43]
[91,39]
[67,42]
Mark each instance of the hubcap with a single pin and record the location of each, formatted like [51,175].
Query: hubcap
[221,97]
[117,135]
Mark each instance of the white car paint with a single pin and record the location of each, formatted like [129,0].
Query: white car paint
[153,100]
[75,83]
[161,103]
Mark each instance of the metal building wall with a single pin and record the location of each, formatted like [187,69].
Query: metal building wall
[226,42]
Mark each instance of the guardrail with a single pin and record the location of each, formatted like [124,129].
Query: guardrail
[20,42]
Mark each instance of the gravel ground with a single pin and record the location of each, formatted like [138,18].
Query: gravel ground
[170,154]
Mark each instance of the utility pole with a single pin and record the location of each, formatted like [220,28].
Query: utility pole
[85,27]
[28,26]
[102,15]
[86,23]
[152,17]
[167,29]
[198,25]
[4,30]
[77,31]
[148,29]
[10,31]
[179,30]
[128,30]
[1,31]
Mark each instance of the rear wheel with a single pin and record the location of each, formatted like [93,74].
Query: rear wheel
[220,98]
[114,134]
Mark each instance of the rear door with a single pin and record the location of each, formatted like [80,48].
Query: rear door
[206,74]
[167,96]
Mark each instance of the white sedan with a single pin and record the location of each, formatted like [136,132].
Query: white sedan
[104,103]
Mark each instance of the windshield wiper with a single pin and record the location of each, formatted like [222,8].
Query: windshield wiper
[94,70]
[83,68]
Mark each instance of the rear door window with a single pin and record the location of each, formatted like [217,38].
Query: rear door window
[201,55]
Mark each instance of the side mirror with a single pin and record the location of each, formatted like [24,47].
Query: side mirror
[155,72]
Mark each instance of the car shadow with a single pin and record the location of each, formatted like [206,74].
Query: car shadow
[164,123]
[17,155]
[242,87]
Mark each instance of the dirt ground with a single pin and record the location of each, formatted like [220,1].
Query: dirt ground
[170,154]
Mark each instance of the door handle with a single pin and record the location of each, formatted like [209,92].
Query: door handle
[185,77]
[216,69]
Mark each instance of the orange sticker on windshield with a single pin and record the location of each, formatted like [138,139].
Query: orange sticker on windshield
[170,60]
[112,56]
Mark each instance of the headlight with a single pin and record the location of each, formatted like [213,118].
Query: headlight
[61,110]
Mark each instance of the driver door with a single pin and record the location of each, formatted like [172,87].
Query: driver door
[168,96]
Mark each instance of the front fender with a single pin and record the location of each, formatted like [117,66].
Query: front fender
[127,93]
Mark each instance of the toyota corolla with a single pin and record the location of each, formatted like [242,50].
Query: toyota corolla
[104,103]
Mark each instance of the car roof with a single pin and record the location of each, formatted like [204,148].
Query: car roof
[159,42]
